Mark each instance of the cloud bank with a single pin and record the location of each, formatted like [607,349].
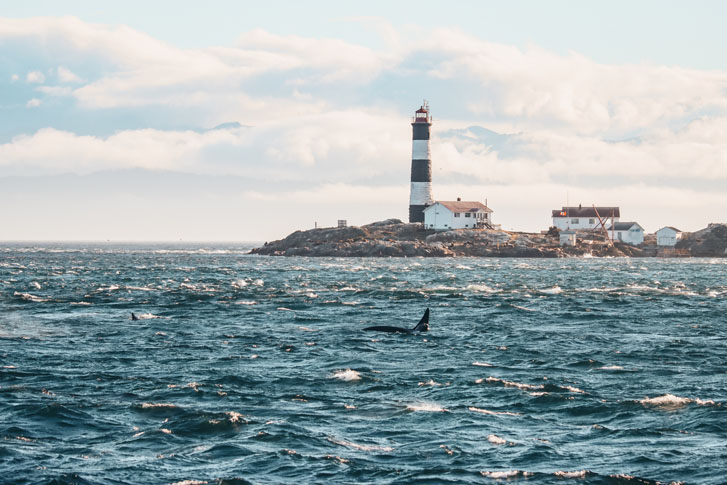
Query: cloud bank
[525,128]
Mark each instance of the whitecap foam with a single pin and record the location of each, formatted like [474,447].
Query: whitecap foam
[346,375]
[147,316]
[427,407]
[258,282]
[493,413]
[666,401]
[670,401]
[157,405]
[29,297]
[357,446]
[306,329]
[610,367]
[505,474]
[518,385]
[556,290]
[482,364]
[35,285]
[496,440]
[246,302]
[140,288]
[482,288]
[430,382]
[572,474]
[573,389]
[239,284]
[523,308]
[235,417]
[190,482]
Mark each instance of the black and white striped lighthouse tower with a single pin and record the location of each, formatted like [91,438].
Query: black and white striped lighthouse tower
[421,165]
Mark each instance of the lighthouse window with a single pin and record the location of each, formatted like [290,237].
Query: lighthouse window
[456,214]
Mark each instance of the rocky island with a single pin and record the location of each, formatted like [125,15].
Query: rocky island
[393,238]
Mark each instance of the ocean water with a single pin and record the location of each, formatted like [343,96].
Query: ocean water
[246,369]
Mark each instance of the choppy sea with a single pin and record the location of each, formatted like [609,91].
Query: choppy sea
[249,369]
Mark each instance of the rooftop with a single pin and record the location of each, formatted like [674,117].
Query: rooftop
[624,226]
[464,206]
[587,212]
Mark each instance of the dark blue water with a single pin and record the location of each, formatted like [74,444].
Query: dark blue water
[255,370]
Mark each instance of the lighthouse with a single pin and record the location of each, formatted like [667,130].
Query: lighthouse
[421,165]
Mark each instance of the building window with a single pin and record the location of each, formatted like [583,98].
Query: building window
[456,214]
[591,221]
[467,214]
[574,221]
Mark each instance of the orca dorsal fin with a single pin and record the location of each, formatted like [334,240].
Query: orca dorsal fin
[423,324]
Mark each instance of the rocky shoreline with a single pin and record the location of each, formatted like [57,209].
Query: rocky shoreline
[393,238]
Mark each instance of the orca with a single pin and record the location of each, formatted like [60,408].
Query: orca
[134,317]
[422,326]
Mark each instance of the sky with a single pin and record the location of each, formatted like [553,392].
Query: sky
[245,121]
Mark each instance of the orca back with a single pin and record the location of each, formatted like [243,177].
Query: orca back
[386,328]
[422,326]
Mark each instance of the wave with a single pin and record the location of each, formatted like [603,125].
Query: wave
[481,288]
[153,405]
[572,474]
[670,401]
[346,375]
[30,297]
[523,308]
[525,387]
[427,406]
[357,446]
[556,290]
[430,382]
[505,474]
[496,440]
[493,413]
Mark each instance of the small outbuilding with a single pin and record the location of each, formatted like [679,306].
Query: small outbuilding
[444,215]
[668,236]
[627,232]
[567,238]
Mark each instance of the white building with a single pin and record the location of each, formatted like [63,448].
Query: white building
[567,238]
[627,232]
[668,236]
[444,215]
[584,218]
